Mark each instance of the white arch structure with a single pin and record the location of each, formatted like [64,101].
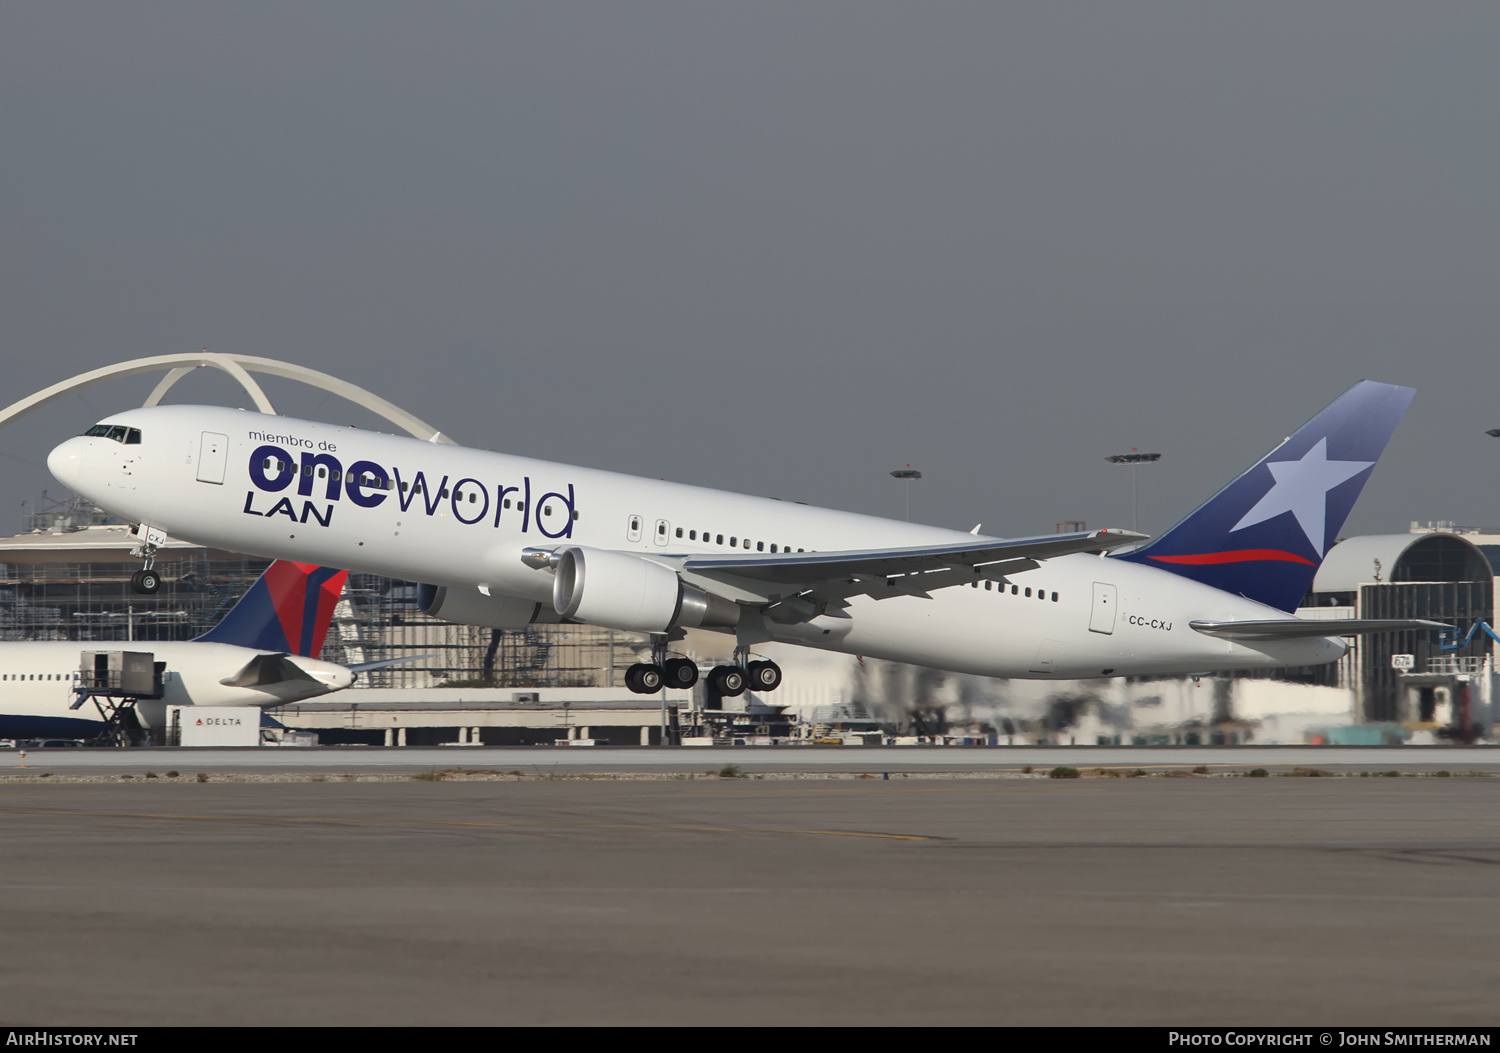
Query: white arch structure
[237,366]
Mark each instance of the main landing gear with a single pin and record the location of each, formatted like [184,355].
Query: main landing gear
[728,681]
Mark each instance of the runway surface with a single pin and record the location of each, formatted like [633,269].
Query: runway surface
[766,759]
[1180,901]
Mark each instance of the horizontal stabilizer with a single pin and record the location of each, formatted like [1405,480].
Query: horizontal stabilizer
[266,669]
[364,667]
[797,567]
[1301,628]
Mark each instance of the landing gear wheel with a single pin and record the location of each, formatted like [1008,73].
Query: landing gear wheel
[728,681]
[145,582]
[764,676]
[680,673]
[643,679]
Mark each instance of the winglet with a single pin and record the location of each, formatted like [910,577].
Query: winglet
[288,609]
[1264,534]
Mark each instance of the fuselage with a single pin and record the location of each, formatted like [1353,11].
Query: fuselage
[458,517]
[37,679]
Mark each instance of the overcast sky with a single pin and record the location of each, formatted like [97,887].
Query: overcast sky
[781,248]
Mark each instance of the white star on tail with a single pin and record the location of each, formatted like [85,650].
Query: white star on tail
[1302,489]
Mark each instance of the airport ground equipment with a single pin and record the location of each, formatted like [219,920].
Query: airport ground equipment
[114,681]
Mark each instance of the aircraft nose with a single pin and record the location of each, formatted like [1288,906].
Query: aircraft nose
[65,462]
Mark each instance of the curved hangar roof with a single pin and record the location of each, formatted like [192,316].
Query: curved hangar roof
[1359,561]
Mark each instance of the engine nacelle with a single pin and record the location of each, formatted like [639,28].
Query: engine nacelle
[622,591]
[472,607]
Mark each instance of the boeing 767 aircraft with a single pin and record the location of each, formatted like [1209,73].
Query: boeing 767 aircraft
[263,653]
[505,541]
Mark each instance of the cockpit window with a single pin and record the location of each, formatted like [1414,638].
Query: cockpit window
[117,432]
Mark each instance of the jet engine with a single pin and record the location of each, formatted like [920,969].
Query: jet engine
[471,607]
[622,591]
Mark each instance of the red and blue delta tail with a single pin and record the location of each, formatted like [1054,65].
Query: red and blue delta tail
[288,610]
[1264,534]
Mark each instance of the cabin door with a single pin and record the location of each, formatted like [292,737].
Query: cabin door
[1102,617]
[213,455]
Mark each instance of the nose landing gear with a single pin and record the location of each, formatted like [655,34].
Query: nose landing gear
[146,581]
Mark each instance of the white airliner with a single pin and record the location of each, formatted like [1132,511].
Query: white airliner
[504,541]
[258,655]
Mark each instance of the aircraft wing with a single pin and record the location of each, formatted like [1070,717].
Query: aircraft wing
[902,571]
[1297,628]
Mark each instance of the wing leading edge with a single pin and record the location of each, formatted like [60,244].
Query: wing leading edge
[794,568]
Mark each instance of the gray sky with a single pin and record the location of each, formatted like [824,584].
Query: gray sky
[781,248]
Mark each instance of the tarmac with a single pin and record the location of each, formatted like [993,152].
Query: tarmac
[663,760]
[555,900]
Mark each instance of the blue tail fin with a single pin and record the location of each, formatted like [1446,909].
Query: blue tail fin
[288,609]
[1264,534]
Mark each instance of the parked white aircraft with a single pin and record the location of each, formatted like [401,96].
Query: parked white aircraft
[504,541]
[258,655]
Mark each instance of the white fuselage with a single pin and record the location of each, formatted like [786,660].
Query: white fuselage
[191,476]
[37,680]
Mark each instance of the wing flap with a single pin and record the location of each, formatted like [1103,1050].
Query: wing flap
[1302,628]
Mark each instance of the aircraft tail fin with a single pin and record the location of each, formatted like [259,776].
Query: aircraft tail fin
[1264,535]
[287,610]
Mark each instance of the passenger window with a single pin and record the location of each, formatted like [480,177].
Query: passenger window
[988,585]
[507,502]
[679,531]
[720,541]
[734,543]
[692,535]
[773,546]
[1015,589]
[760,546]
[1028,592]
[747,543]
[1054,597]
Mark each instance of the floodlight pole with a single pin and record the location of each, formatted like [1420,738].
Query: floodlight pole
[908,474]
[1135,459]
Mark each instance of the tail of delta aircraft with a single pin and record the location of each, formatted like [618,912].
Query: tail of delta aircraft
[288,609]
[1264,535]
